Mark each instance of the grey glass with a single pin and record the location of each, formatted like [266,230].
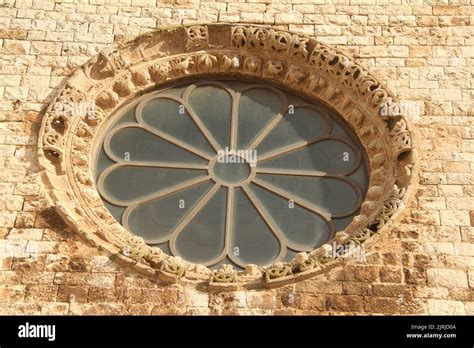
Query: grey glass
[231,172]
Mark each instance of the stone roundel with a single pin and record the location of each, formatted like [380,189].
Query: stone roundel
[80,112]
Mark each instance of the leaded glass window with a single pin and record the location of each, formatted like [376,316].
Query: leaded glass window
[230,171]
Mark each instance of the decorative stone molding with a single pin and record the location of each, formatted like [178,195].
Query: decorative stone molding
[299,64]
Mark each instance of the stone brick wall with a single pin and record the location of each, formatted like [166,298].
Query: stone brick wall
[423,50]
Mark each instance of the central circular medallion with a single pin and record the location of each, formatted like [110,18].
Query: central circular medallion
[231,169]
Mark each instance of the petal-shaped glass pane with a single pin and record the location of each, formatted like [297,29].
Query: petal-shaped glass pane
[154,220]
[128,117]
[137,144]
[129,183]
[360,177]
[304,124]
[340,132]
[115,210]
[172,118]
[175,91]
[257,107]
[165,247]
[254,240]
[236,84]
[328,194]
[225,261]
[330,156]
[103,161]
[213,105]
[203,239]
[290,255]
[300,226]
[341,224]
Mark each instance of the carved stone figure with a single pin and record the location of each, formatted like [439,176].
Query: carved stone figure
[197,37]
[273,68]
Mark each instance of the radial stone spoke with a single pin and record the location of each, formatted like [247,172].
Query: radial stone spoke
[234,122]
[229,216]
[159,164]
[182,186]
[293,172]
[265,216]
[178,187]
[273,122]
[175,188]
[290,148]
[229,220]
[179,143]
[190,215]
[207,134]
[302,202]
[283,150]
[262,135]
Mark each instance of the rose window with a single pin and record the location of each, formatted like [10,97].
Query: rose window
[231,172]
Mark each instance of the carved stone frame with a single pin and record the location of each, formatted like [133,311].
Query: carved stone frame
[299,64]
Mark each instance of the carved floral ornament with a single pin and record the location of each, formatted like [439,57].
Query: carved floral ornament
[299,64]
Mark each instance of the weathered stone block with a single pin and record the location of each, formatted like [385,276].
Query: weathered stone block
[447,278]
[445,307]
[345,303]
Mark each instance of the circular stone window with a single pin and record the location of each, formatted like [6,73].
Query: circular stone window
[230,172]
[229,156]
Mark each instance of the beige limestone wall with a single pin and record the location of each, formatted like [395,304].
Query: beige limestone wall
[423,50]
